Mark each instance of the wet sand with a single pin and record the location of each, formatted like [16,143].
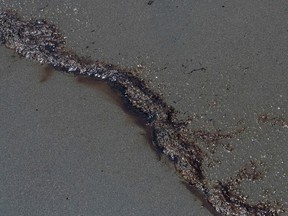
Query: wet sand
[227,69]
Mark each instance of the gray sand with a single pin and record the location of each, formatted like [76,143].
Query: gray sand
[224,64]
[67,150]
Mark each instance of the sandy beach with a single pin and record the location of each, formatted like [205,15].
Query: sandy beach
[69,149]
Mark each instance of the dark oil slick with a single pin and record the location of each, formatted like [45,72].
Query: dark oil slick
[41,41]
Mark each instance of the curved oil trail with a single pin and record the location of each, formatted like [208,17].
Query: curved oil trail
[41,41]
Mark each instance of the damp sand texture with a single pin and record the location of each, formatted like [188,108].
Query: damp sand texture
[170,136]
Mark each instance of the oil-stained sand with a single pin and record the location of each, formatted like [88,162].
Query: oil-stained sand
[62,153]
[244,120]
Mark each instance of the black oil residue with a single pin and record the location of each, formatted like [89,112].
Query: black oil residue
[38,40]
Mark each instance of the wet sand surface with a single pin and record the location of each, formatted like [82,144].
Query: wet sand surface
[68,149]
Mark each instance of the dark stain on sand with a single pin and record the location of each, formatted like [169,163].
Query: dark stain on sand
[46,73]
[115,97]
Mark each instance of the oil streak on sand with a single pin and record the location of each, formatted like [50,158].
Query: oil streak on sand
[41,41]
